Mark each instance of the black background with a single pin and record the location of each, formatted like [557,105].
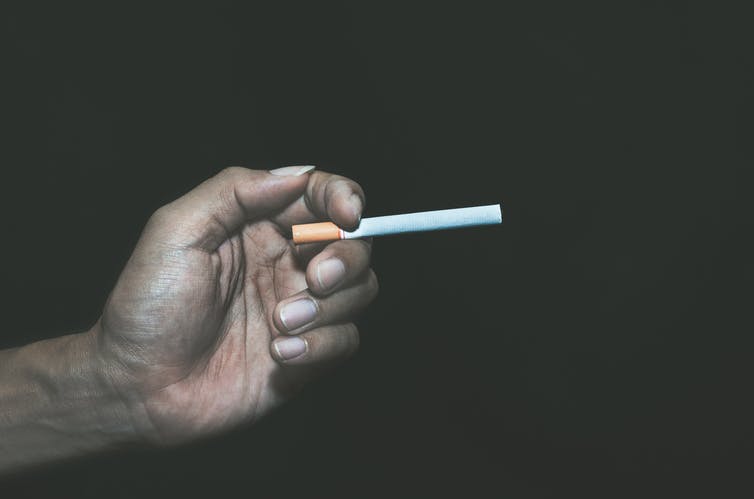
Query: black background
[597,344]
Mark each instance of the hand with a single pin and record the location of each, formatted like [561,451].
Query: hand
[217,317]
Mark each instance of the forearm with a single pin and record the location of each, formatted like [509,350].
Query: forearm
[56,402]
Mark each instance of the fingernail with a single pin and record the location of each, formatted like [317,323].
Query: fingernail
[292,171]
[290,348]
[330,272]
[297,313]
[356,205]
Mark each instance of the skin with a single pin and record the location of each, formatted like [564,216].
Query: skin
[192,339]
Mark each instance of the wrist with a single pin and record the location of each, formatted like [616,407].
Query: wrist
[112,378]
[57,401]
[108,392]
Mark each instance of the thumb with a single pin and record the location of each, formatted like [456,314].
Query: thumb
[217,208]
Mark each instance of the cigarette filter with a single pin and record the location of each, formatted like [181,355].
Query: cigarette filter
[398,224]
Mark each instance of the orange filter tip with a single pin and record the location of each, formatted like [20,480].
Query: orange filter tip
[312,233]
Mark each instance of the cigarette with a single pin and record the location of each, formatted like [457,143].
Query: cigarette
[399,224]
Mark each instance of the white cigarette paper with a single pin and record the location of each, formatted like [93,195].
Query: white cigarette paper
[399,224]
[427,220]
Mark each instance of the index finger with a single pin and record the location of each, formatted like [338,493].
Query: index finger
[327,197]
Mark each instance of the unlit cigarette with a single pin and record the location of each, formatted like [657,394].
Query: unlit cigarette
[398,224]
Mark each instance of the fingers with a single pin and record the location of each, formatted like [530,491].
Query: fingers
[340,284]
[319,346]
[337,265]
[327,197]
[305,311]
[316,329]
[304,253]
[217,208]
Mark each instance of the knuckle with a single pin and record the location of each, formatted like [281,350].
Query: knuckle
[161,216]
[230,172]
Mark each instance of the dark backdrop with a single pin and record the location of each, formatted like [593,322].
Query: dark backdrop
[597,344]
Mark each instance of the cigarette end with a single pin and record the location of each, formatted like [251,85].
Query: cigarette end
[316,232]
